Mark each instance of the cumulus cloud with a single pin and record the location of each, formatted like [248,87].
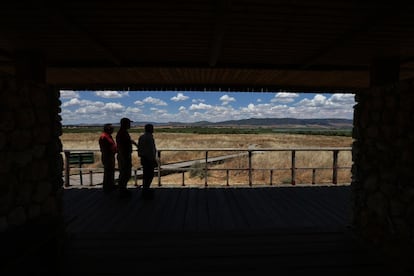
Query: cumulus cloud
[78,102]
[69,94]
[285,97]
[200,106]
[109,94]
[214,109]
[348,99]
[179,97]
[154,101]
[226,99]
[113,107]
[317,101]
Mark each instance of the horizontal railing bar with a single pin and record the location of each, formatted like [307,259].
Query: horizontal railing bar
[257,149]
[235,149]
[241,151]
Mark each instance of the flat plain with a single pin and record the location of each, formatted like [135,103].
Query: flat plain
[263,163]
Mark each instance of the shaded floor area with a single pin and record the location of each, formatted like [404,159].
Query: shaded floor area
[208,209]
[206,231]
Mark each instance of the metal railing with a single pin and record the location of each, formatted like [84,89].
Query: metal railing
[208,162]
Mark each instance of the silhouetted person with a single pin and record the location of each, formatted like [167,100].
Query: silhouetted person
[124,145]
[148,154]
[108,149]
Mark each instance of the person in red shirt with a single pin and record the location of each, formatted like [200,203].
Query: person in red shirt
[108,149]
[124,144]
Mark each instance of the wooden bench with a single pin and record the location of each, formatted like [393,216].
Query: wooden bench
[78,158]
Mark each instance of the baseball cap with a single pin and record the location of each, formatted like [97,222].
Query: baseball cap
[125,120]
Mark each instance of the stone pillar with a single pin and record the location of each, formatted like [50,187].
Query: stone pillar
[383,155]
[30,165]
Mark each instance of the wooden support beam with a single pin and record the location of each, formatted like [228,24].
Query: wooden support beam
[221,12]
[61,19]
[384,71]
[30,66]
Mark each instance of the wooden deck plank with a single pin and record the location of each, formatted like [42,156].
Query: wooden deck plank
[295,253]
[183,231]
[335,215]
[204,220]
[191,206]
[169,199]
[222,211]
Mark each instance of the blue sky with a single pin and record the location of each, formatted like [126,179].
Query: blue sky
[99,107]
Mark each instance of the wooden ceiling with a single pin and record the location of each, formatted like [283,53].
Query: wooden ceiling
[246,45]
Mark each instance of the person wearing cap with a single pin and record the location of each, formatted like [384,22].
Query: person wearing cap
[148,155]
[108,150]
[124,145]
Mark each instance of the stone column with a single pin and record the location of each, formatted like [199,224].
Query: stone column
[30,165]
[383,155]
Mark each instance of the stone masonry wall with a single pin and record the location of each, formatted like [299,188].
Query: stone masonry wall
[30,160]
[383,170]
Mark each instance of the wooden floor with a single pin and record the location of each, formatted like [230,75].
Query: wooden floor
[206,231]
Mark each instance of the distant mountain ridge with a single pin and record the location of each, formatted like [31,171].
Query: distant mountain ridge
[329,123]
[283,122]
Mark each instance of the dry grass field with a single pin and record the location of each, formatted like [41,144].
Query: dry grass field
[262,162]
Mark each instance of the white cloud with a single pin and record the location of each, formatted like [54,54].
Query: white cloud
[77,110]
[179,97]
[154,101]
[317,100]
[284,97]
[71,102]
[226,99]
[348,99]
[200,106]
[68,94]
[109,94]
[78,102]
[133,110]
[251,107]
[113,107]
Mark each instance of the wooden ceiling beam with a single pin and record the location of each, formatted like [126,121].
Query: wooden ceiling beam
[221,9]
[373,20]
[62,19]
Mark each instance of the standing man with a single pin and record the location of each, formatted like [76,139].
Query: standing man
[108,151]
[124,144]
[148,154]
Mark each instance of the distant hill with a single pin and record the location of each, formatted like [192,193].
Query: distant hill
[329,123]
[274,122]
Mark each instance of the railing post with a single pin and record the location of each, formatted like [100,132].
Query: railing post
[271,178]
[250,168]
[135,178]
[90,178]
[313,176]
[227,177]
[183,177]
[159,168]
[206,170]
[293,180]
[67,168]
[80,169]
[335,167]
